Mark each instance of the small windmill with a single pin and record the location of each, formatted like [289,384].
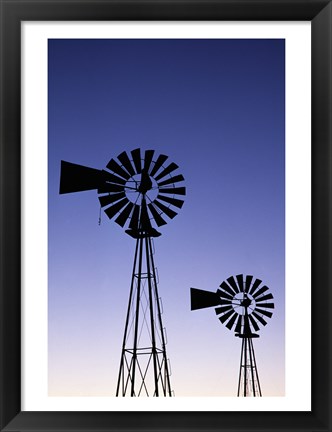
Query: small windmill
[140,193]
[241,304]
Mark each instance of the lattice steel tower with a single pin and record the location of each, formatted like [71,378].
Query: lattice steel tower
[241,304]
[140,193]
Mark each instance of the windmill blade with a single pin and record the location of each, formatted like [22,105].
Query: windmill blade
[134,218]
[175,191]
[171,180]
[260,291]
[265,297]
[239,279]
[148,159]
[169,212]
[175,202]
[109,199]
[156,216]
[161,159]
[224,295]
[124,214]
[231,322]
[201,299]
[233,284]
[223,309]
[238,326]
[78,178]
[226,315]
[110,187]
[113,210]
[253,322]
[227,288]
[115,167]
[171,167]
[124,159]
[248,283]
[263,312]
[255,286]
[266,305]
[260,319]
[136,154]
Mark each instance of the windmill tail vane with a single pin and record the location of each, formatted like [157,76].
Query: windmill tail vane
[242,304]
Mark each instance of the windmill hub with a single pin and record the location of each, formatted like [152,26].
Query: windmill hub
[243,303]
[246,302]
[141,185]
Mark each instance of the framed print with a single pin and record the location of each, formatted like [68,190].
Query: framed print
[165,187]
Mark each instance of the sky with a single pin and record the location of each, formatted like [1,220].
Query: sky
[217,109]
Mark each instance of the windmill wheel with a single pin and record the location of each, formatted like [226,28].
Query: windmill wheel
[141,191]
[245,304]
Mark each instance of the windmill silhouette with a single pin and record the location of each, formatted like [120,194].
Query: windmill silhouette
[140,193]
[241,304]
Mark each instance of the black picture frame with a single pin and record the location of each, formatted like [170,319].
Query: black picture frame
[13,12]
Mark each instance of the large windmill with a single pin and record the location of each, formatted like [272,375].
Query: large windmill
[140,192]
[241,304]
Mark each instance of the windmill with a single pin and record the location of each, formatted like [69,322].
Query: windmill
[242,304]
[140,193]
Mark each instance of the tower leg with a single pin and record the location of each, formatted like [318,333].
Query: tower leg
[144,369]
[248,385]
[255,378]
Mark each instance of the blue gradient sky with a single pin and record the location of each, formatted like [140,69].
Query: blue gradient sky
[217,109]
